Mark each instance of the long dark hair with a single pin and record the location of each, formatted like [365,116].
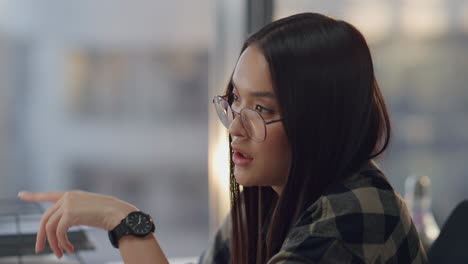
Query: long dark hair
[335,120]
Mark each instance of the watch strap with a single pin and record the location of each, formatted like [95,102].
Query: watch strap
[118,232]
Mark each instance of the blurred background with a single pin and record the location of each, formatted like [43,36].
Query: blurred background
[115,97]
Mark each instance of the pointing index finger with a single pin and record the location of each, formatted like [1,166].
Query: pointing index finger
[40,196]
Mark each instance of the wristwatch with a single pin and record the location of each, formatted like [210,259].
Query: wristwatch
[136,223]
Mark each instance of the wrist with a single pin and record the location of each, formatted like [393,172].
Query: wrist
[116,213]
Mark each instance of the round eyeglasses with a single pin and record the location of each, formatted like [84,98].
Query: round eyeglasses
[252,121]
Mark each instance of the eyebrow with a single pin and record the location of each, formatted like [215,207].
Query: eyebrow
[257,94]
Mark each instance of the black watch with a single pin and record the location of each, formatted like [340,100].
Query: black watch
[136,223]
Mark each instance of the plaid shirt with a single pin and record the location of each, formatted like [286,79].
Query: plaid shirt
[363,220]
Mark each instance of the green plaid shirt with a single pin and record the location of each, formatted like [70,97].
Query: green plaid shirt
[363,220]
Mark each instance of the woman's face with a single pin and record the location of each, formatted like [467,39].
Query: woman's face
[266,163]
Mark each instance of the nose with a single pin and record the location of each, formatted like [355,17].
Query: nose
[236,129]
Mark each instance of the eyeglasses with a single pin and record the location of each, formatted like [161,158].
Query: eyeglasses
[252,121]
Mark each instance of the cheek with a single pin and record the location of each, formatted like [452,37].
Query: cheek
[276,157]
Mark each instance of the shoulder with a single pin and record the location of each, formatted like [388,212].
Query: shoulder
[362,218]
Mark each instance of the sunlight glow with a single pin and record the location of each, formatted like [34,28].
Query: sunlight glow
[373,19]
[218,169]
[424,18]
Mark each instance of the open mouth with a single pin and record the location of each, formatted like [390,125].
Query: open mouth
[241,159]
[244,155]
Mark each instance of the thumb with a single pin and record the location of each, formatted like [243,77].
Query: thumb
[40,196]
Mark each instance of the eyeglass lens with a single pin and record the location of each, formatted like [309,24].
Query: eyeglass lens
[251,120]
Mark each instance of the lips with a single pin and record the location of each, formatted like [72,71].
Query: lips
[240,159]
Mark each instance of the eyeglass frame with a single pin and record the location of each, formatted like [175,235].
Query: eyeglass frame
[235,113]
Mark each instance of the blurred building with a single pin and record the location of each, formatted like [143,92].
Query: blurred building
[110,97]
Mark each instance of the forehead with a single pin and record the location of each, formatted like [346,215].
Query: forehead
[252,73]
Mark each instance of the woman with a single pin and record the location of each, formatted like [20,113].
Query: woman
[305,118]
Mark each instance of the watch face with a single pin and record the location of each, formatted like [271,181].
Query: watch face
[139,223]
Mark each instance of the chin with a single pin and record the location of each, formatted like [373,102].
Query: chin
[243,178]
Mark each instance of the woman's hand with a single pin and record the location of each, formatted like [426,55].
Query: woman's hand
[74,208]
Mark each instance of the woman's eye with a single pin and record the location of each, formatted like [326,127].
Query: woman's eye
[262,109]
[235,102]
